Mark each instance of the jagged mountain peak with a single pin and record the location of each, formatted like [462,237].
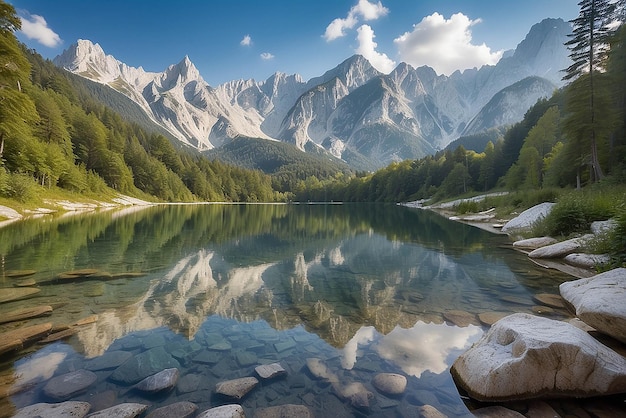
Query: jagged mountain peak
[353,72]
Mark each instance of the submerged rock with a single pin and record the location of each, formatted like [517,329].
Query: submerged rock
[355,393]
[270,371]
[26,313]
[54,410]
[284,411]
[236,388]
[69,384]
[123,410]
[390,383]
[496,411]
[143,365]
[10,294]
[429,411]
[224,411]
[163,380]
[179,410]
[600,301]
[524,357]
[109,360]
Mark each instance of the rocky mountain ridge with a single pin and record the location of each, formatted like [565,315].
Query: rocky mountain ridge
[352,111]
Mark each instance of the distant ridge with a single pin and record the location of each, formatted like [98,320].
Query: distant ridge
[352,111]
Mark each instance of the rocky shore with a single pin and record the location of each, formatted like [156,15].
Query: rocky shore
[527,357]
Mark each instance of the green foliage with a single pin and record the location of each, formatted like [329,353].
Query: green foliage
[575,211]
[617,239]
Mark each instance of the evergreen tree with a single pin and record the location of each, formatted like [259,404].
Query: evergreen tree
[588,47]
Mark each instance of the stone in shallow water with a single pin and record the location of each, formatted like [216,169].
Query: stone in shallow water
[54,410]
[355,393]
[179,410]
[459,318]
[390,383]
[123,410]
[19,273]
[163,380]
[109,360]
[16,293]
[524,356]
[236,388]
[496,411]
[490,318]
[69,384]
[284,411]
[319,370]
[224,411]
[143,365]
[534,243]
[26,313]
[551,300]
[270,371]
[429,411]
[599,301]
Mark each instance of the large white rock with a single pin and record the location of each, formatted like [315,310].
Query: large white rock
[524,357]
[599,301]
[528,218]
[560,249]
[534,243]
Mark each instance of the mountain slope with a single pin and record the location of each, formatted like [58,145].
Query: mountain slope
[352,111]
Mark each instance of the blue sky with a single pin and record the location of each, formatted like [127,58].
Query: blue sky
[234,39]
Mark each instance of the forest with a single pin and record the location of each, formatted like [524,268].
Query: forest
[57,133]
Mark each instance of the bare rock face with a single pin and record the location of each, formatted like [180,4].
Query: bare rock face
[525,357]
[599,301]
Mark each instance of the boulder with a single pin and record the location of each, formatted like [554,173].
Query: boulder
[179,410]
[54,410]
[534,243]
[599,301]
[602,227]
[67,385]
[161,381]
[236,388]
[560,249]
[587,260]
[526,219]
[523,356]
[270,371]
[123,410]
[224,411]
[284,411]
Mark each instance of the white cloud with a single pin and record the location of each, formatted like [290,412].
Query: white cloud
[444,44]
[36,27]
[365,9]
[367,48]
[267,56]
[246,41]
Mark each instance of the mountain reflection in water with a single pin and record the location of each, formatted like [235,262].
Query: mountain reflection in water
[381,285]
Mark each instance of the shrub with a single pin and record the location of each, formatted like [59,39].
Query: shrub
[22,187]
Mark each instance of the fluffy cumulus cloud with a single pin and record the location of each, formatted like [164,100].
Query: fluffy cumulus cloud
[367,48]
[266,56]
[246,41]
[364,9]
[35,27]
[444,44]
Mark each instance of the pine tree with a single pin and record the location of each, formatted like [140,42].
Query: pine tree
[588,48]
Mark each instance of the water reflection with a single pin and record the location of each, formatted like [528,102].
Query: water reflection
[365,284]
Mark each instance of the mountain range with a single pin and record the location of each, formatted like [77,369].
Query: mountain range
[352,111]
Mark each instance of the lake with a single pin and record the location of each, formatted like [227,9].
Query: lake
[216,290]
